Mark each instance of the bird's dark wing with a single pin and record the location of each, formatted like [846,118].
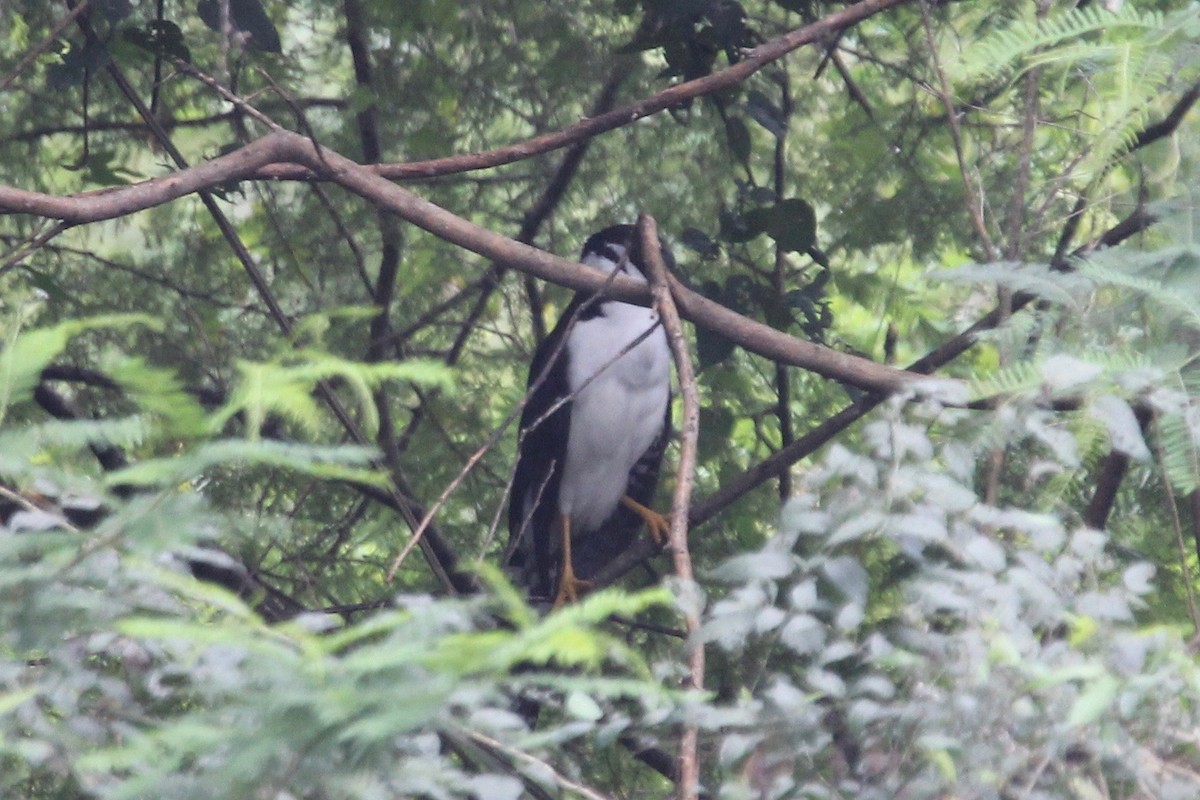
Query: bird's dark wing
[592,553]
[532,556]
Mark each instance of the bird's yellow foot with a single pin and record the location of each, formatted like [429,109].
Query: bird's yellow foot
[660,526]
[570,589]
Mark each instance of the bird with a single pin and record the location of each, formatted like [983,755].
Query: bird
[592,433]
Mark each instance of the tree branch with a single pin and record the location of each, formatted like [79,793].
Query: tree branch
[734,489]
[286,146]
[688,787]
[674,96]
[1169,123]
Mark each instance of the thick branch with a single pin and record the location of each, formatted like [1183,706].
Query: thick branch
[1111,472]
[1168,124]
[284,146]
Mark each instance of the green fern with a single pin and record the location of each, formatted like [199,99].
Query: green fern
[1128,276]
[1124,58]
[336,463]
[1138,76]
[1096,368]
[26,354]
[29,444]
[1180,455]
[159,392]
[1014,48]
[287,389]
[1011,380]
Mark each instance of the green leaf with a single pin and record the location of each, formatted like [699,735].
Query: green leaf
[943,761]
[246,16]
[581,706]
[46,282]
[1124,431]
[699,241]
[15,699]
[766,113]
[27,354]
[1094,701]
[338,463]
[791,222]
[287,389]
[159,392]
[161,38]
[738,137]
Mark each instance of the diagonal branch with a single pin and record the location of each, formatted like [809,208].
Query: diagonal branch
[732,490]
[49,41]
[286,146]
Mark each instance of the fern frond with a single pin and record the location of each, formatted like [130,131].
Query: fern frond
[1180,457]
[21,447]
[1055,286]
[1014,379]
[336,463]
[1049,371]
[1004,50]
[286,389]
[1129,276]
[1135,85]
[26,354]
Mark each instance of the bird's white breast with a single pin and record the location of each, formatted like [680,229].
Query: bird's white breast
[617,414]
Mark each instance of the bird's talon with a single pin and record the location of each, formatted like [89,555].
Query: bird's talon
[659,525]
[660,530]
[570,589]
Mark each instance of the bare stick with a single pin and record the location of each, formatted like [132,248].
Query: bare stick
[688,787]
[541,767]
[32,246]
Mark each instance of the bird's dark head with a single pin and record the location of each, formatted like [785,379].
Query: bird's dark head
[614,248]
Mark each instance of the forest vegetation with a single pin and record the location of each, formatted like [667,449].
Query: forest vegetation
[271,277]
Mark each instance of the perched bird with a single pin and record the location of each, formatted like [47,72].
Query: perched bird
[592,434]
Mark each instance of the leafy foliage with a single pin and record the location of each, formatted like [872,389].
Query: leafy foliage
[918,642]
[936,613]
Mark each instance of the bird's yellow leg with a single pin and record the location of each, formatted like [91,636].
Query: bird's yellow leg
[569,587]
[660,526]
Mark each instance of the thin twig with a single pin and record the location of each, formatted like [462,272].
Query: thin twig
[44,44]
[1177,529]
[541,766]
[237,101]
[971,194]
[32,245]
[688,787]
[30,506]
[589,127]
